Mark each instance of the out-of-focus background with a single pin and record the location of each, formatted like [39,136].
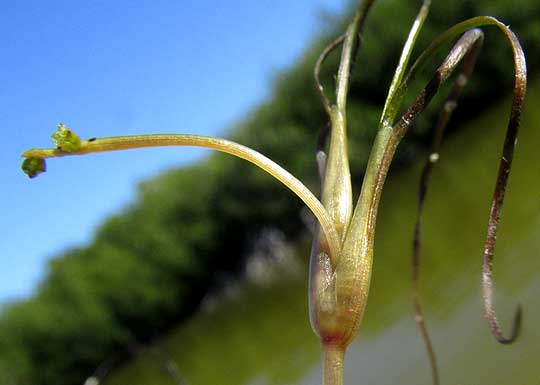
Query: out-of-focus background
[179,266]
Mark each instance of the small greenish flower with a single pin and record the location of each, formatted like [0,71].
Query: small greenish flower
[33,166]
[65,139]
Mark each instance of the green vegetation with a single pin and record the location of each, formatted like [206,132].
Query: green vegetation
[149,267]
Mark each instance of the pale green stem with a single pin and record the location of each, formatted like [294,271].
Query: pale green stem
[333,364]
[223,145]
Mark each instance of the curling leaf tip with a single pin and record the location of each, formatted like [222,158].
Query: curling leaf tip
[33,166]
[65,139]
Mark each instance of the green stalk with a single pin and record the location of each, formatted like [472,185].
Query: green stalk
[140,141]
[333,364]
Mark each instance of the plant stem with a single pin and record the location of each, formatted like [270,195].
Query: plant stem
[333,364]
[140,141]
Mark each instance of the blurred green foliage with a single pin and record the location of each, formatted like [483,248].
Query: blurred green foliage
[149,266]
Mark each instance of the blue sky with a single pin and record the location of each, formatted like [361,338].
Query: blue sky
[116,68]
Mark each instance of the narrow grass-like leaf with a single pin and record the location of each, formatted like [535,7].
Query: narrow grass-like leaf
[317,71]
[393,100]
[519,91]
[444,117]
